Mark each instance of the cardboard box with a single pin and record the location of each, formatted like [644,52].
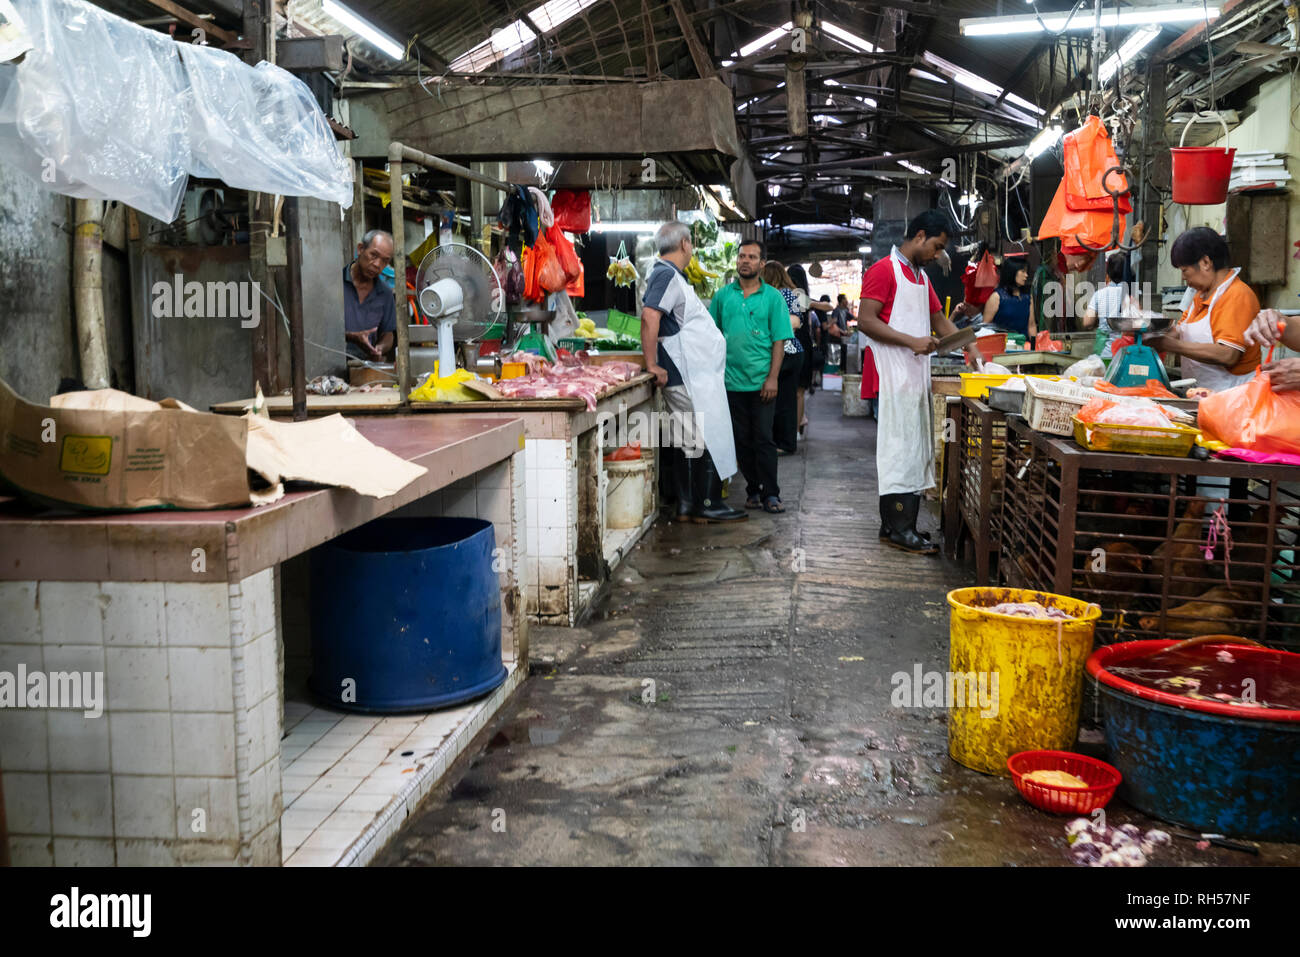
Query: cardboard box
[141,455]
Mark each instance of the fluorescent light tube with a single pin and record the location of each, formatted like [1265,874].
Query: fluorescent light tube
[1137,41]
[1082,20]
[364,29]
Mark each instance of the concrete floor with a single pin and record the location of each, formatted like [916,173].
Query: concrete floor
[728,703]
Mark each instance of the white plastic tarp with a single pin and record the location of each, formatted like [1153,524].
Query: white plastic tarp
[100,108]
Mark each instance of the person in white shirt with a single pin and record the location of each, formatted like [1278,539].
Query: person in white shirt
[1107,304]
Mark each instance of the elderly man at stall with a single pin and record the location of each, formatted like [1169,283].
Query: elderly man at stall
[688,357]
[369,312]
[1271,328]
[1211,337]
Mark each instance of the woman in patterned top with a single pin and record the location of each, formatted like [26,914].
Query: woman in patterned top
[785,425]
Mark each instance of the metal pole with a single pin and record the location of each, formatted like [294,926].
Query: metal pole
[297,349]
[396,151]
[403,347]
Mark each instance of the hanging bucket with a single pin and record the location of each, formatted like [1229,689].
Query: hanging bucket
[1201,173]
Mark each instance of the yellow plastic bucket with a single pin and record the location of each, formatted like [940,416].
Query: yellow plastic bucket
[1033,668]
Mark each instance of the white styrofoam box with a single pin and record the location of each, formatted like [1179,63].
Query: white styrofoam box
[133,613]
[71,613]
[200,679]
[136,679]
[27,802]
[144,806]
[141,742]
[81,804]
[78,743]
[217,798]
[20,619]
[257,602]
[23,738]
[203,745]
[31,851]
[83,852]
[198,614]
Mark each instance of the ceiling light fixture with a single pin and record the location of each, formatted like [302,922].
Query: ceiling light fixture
[1137,41]
[1132,17]
[364,28]
[1044,141]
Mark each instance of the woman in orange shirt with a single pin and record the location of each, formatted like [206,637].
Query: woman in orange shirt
[1211,337]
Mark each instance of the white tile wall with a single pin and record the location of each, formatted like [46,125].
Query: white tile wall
[20,620]
[200,679]
[204,744]
[71,614]
[141,742]
[24,739]
[71,852]
[136,679]
[134,613]
[197,614]
[78,743]
[144,806]
[82,804]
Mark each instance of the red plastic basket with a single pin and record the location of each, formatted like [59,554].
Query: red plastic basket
[1101,777]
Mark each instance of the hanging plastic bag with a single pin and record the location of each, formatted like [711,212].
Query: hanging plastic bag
[628,453]
[532,291]
[1253,417]
[1044,342]
[577,288]
[565,253]
[986,273]
[1088,154]
[621,269]
[550,274]
[572,209]
[1091,226]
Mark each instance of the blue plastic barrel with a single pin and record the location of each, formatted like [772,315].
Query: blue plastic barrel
[406,616]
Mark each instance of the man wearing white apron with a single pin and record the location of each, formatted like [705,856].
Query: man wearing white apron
[688,356]
[1211,338]
[900,313]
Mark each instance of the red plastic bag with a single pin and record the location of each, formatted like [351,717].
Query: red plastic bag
[1088,154]
[1044,342]
[550,274]
[986,273]
[1091,226]
[572,209]
[628,453]
[565,253]
[1253,417]
[531,289]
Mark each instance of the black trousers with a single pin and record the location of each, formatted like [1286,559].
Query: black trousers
[785,422]
[751,426]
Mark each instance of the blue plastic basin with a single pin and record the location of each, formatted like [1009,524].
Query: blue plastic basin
[406,616]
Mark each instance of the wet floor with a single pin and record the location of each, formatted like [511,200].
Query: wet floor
[729,703]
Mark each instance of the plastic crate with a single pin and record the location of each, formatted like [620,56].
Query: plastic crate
[623,323]
[1050,406]
[1138,439]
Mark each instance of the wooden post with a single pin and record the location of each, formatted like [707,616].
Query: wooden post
[297,349]
[1156,169]
[403,347]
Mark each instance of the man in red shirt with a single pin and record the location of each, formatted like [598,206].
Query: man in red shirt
[901,313]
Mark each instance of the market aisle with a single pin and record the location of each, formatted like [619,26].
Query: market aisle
[734,685]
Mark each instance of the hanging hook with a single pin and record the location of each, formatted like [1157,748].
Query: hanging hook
[1115,195]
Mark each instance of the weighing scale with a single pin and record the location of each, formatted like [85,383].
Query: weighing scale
[1137,363]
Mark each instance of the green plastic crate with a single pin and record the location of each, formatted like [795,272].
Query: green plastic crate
[624,324]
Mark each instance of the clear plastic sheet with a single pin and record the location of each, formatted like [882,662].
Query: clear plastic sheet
[261,129]
[103,109]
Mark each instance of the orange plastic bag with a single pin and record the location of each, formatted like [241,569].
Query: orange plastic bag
[1253,416]
[1153,389]
[577,288]
[1091,226]
[565,253]
[532,292]
[550,274]
[1088,154]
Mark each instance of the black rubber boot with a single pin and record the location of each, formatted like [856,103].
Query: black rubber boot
[683,485]
[903,510]
[709,507]
[884,520]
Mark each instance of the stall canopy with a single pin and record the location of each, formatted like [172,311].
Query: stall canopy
[100,108]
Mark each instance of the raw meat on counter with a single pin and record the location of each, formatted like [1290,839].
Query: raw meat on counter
[571,378]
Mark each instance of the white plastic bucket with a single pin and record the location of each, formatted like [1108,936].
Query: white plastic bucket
[625,496]
[851,402]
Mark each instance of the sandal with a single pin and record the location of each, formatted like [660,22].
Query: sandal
[773,505]
[753,502]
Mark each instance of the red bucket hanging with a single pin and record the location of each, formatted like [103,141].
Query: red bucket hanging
[1202,173]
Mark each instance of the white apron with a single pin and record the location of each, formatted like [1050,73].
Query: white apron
[700,353]
[1208,376]
[905,435]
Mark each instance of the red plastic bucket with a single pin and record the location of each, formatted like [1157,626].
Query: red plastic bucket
[990,346]
[1201,173]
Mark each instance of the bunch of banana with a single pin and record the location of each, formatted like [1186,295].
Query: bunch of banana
[697,275]
[622,272]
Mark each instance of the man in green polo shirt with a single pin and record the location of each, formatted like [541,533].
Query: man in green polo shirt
[755,321]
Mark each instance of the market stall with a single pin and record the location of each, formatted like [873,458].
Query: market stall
[208,740]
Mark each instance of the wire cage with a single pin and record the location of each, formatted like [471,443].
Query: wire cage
[981,440]
[1167,547]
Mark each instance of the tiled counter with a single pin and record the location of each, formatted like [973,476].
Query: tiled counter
[180,613]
